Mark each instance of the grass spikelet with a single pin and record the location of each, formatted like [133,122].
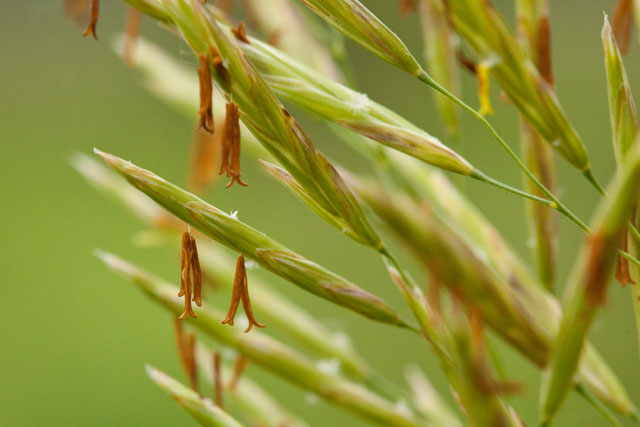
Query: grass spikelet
[441,44]
[588,283]
[271,354]
[255,245]
[199,408]
[534,34]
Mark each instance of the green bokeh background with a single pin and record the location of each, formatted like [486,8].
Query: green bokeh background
[74,338]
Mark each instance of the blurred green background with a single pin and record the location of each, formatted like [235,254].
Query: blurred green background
[75,337]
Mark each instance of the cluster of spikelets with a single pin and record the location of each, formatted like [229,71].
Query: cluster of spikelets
[475,280]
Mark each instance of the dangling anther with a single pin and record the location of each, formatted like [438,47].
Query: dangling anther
[217,379]
[241,292]
[190,266]
[231,145]
[93,21]
[239,367]
[484,89]
[206,94]
[186,345]
[240,33]
[132,28]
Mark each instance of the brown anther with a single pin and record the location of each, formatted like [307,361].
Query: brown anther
[76,9]
[594,277]
[434,289]
[544,50]
[197,274]
[405,7]
[205,156]
[206,94]
[622,274]
[186,345]
[218,66]
[621,24]
[190,266]
[275,37]
[482,375]
[231,145]
[467,63]
[236,293]
[217,379]
[239,366]
[132,28]
[93,21]
[246,304]
[241,292]
[240,33]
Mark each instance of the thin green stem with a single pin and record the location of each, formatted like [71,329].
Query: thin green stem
[559,206]
[480,176]
[604,411]
[553,201]
[592,179]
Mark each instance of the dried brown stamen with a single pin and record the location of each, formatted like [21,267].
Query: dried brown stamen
[483,378]
[218,66]
[240,33]
[236,293]
[132,28]
[190,266]
[239,367]
[621,25]
[241,292]
[622,274]
[467,63]
[405,7]
[544,50]
[186,344]
[206,94]
[205,157]
[93,21]
[76,9]
[231,145]
[246,304]
[217,379]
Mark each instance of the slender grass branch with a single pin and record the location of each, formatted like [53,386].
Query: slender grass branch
[553,202]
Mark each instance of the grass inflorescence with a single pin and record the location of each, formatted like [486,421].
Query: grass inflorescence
[474,280]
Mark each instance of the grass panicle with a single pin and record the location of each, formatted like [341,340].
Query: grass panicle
[520,311]
[294,52]
[270,354]
[217,265]
[267,119]
[253,244]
